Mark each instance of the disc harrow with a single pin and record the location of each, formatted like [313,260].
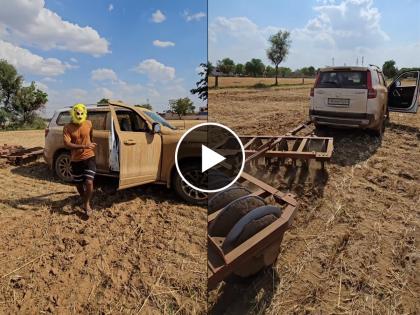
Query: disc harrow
[247,221]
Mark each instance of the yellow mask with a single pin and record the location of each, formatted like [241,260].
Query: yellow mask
[78,113]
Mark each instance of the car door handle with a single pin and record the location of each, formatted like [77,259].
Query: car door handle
[129,142]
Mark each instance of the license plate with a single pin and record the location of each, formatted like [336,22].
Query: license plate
[339,101]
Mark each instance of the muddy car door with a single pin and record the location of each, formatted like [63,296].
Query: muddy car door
[403,92]
[101,133]
[139,148]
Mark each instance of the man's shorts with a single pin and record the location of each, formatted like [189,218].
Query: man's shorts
[83,170]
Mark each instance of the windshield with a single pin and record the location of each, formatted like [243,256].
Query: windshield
[343,79]
[159,119]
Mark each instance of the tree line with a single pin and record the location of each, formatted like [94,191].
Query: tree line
[19,104]
[256,68]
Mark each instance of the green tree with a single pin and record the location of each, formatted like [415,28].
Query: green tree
[284,71]
[239,69]
[308,71]
[389,69]
[279,49]
[4,117]
[226,66]
[182,106]
[269,71]
[103,101]
[28,101]
[210,68]
[10,84]
[311,71]
[255,67]
[202,85]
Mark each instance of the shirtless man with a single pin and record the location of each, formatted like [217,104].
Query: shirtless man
[77,137]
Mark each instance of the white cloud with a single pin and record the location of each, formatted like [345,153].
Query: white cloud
[103,74]
[345,30]
[193,16]
[238,38]
[30,23]
[41,86]
[163,44]
[347,25]
[30,63]
[110,7]
[158,17]
[48,79]
[155,70]
[74,60]
[78,93]
[104,92]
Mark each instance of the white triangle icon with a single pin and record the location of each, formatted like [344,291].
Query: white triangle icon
[209,158]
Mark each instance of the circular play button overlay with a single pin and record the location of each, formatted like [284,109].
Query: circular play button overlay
[209,157]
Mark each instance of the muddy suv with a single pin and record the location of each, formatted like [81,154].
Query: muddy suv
[359,97]
[134,145]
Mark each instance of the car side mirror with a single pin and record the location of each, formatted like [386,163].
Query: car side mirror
[156,127]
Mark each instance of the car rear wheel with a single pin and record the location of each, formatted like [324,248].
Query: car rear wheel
[62,167]
[184,190]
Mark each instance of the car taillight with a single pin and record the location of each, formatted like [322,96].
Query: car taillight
[46,132]
[312,93]
[371,91]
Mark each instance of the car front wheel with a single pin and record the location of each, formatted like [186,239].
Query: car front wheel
[186,192]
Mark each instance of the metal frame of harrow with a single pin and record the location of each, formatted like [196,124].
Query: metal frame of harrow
[18,155]
[220,264]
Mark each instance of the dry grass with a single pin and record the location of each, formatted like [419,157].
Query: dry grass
[143,250]
[354,245]
[225,82]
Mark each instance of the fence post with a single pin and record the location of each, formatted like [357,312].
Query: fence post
[216,81]
[303,80]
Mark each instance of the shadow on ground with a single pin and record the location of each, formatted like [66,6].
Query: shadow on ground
[105,195]
[251,296]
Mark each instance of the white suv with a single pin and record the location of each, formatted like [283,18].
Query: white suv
[358,97]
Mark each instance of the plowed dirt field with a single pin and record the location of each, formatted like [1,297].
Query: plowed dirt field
[143,250]
[354,244]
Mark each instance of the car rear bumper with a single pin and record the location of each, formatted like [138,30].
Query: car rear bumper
[356,120]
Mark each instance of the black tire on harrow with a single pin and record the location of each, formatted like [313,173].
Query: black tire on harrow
[223,198]
[249,225]
[232,213]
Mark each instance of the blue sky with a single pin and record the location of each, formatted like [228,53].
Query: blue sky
[81,51]
[320,30]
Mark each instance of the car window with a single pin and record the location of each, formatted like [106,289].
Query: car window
[381,79]
[129,120]
[408,79]
[98,119]
[63,118]
[375,78]
[156,117]
[343,79]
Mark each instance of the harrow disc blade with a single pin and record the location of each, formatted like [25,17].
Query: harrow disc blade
[232,213]
[249,225]
[223,198]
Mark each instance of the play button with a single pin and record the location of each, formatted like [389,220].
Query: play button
[209,157]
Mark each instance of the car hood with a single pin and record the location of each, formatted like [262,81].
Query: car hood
[199,137]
